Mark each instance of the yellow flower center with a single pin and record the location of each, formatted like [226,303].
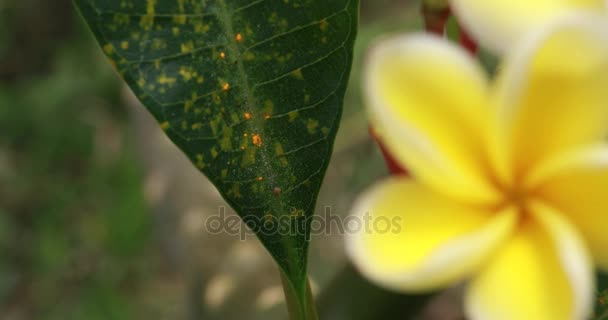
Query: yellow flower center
[517,196]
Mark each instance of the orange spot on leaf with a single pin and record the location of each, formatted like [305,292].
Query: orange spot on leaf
[256,139]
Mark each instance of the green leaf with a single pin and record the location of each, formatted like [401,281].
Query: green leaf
[453,30]
[601,309]
[250,90]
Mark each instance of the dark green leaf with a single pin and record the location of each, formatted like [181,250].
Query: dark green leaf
[250,90]
[601,309]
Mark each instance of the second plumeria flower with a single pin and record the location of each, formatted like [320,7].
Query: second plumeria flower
[511,175]
[498,24]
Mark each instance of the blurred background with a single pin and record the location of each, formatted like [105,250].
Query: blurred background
[101,217]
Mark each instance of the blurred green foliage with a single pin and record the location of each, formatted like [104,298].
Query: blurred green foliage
[73,223]
[76,240]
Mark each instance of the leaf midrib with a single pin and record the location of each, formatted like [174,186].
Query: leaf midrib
[257,122]
[225,16]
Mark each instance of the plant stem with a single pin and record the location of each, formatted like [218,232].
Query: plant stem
[300,303]
[393,166]
[435,19]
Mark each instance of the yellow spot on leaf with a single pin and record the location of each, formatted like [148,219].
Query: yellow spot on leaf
[108,48]
[122,19]
[278,149]
[325,131]
[236,190]
[226,141]
[214,123]
[292,115]
[179,19]
[187,106]
[248,157]
[268,108]
[186,74]
[150,6]
[234,117]
[199,27]
[312,125]
[298,74]
[147,21]
[324,25]
[248,56]
[199,161]
[306,98]
[187,47]
[163,79]
[283,58]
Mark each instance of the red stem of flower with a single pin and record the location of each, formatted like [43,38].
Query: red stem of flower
[393,166]
[435,19]
[467,42]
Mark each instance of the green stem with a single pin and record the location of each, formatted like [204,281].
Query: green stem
[300,303]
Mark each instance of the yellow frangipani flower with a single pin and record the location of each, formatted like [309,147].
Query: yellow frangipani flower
[498,24]
[511,175]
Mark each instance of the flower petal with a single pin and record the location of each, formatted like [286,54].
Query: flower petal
[552,95]
[543,273]
[577,183]
[432,242]
[499,24]
[427,102]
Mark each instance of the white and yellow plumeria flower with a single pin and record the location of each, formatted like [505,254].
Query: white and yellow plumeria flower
[511,176]
[498,24]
